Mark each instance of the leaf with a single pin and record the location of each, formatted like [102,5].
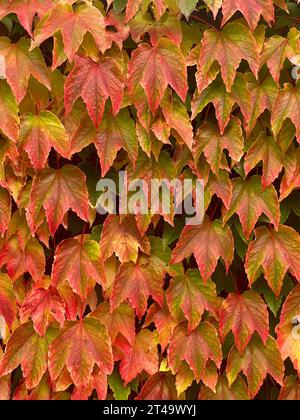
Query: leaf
[263,94]
[41,305]
[276,49]
[140,355]
[228,46]
[132,8]
[9,118]
[265,149]
[208,242]
[222,100]
[136,283]
[115,133]
[244,314]
[20,63]
[160,386]
[94,82]
[256,362]
[252,10]
[8,306]
[291,389]
[73,26]
[118,321]
[196,348]
[26,348]
[57,191]
[18,261]
[25,10]
[209,141]
[79,346]
[163,321]
[178,119]
[276,252]
[5,210]
[78,262]
[237,391]
[117,386]
[288,328]
[188,293]
[38,133]
[168,26]
[250,201]
[154,67]
[286,105]
[186,6]
[123,239]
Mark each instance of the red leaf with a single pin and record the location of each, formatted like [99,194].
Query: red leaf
[94,82]
[41,305]
[79,346]
[58,191]
[154,68]
[208,242]
[244,314]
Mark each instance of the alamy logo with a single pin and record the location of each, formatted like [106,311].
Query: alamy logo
[140,197]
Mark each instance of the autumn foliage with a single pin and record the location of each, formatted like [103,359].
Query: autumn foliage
[147,307]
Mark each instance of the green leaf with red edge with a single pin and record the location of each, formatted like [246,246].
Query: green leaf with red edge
[168,26]
[251,9]
[141,355]
[229,46]
[73,24]
[9,112]
[8,306]
[94,82]
[276,49]
[291,389]
[25,10]
[40,132]
[20,63]
[250,201]
[276,252]
[262,94]
[286,105]
[18,261]
[265,149]
[136,282]
[189,294]
[78,260]
[288,329]
[116,133]
[79,346]
[256,362]
[209,141]
[154,68]
[42,306]
[123,238]
[26,348]
[208,242]
[244,314]
[196,348]
[178,119]
[56,191]
[237,391]
[223,101]
[118,321]
[160,386]
[291,178]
